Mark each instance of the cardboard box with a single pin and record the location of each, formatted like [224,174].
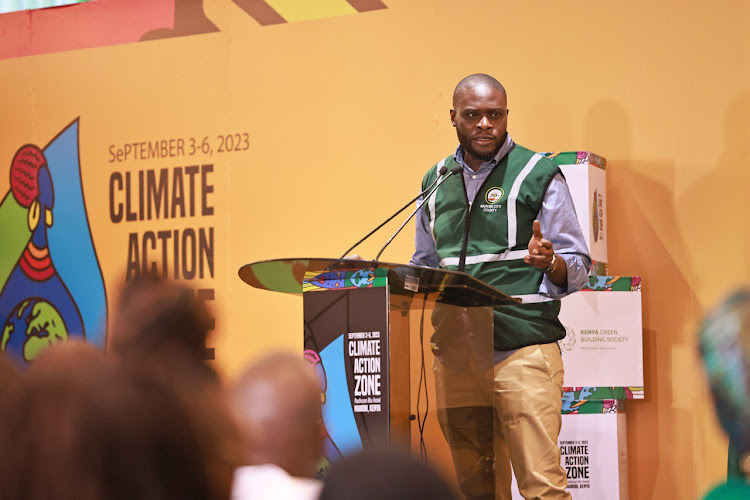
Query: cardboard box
[603,349]
[586,177]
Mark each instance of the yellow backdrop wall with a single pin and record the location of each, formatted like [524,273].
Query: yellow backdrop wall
[344,114]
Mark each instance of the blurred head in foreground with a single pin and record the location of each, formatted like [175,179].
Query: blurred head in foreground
[160,335]
[80,427]
[160,321]
[384,473]
[725,347]
[276,403]
[9,374]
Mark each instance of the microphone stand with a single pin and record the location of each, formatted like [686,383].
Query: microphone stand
[454,170]
[441,172]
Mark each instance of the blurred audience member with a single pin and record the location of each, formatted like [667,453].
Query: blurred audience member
[160,333]
[77,426]
[276,403]
[725,347]
[161,326]
[9,374]
[383,473]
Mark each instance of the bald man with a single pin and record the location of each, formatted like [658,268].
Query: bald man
[276,403]
[509,221]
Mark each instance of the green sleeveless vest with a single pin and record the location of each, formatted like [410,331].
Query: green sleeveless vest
[489,239]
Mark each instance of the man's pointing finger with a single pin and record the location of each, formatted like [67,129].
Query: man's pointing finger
[537,228]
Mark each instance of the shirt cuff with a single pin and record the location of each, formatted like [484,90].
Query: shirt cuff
[578,275]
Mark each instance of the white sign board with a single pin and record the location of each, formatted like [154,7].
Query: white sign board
[604,342]
[594,456]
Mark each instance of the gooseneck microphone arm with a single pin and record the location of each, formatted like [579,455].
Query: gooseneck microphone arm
[454,170]
[441,172]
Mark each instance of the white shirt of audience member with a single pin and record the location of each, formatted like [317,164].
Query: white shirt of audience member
[270,481]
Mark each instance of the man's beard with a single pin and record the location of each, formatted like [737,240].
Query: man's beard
[484,156]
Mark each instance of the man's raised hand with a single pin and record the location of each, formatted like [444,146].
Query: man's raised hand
[540,250]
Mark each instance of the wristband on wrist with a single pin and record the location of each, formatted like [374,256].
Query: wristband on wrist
[551,266]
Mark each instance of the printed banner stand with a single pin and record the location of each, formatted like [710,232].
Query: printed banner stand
[603,347]
[594,456]
[356,337]
[603,357]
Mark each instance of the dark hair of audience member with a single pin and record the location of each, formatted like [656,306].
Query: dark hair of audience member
[77,426]
[160,321]
[9,375]
[384,473]
[160,333]
[276,403]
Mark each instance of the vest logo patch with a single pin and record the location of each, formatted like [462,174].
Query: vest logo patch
[493,197]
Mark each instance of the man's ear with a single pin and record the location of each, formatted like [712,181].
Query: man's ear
[453,117]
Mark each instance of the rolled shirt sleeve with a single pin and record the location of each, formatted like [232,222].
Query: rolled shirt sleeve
[559,225]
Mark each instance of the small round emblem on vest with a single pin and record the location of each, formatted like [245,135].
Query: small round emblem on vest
[494,195]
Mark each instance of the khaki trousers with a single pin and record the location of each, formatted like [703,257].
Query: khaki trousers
[507,415]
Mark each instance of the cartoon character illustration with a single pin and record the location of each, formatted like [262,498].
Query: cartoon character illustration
[362,278]
[613,284]
[339,280]
[598,283]
[36,309]
[610,406]
[331,452]
[51,287]
[333,279]
[597,399]
[574,397]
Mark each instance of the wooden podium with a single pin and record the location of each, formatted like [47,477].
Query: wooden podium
[357,336]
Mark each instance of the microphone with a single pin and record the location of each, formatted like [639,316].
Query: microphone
[441,172]
[455,170]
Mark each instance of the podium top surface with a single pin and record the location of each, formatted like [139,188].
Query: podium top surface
[436,285]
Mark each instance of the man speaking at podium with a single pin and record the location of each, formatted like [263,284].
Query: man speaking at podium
[511,223]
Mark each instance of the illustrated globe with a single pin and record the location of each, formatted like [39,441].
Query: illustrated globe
[34,325]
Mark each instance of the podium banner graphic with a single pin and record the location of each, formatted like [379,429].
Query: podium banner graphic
[346,340]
